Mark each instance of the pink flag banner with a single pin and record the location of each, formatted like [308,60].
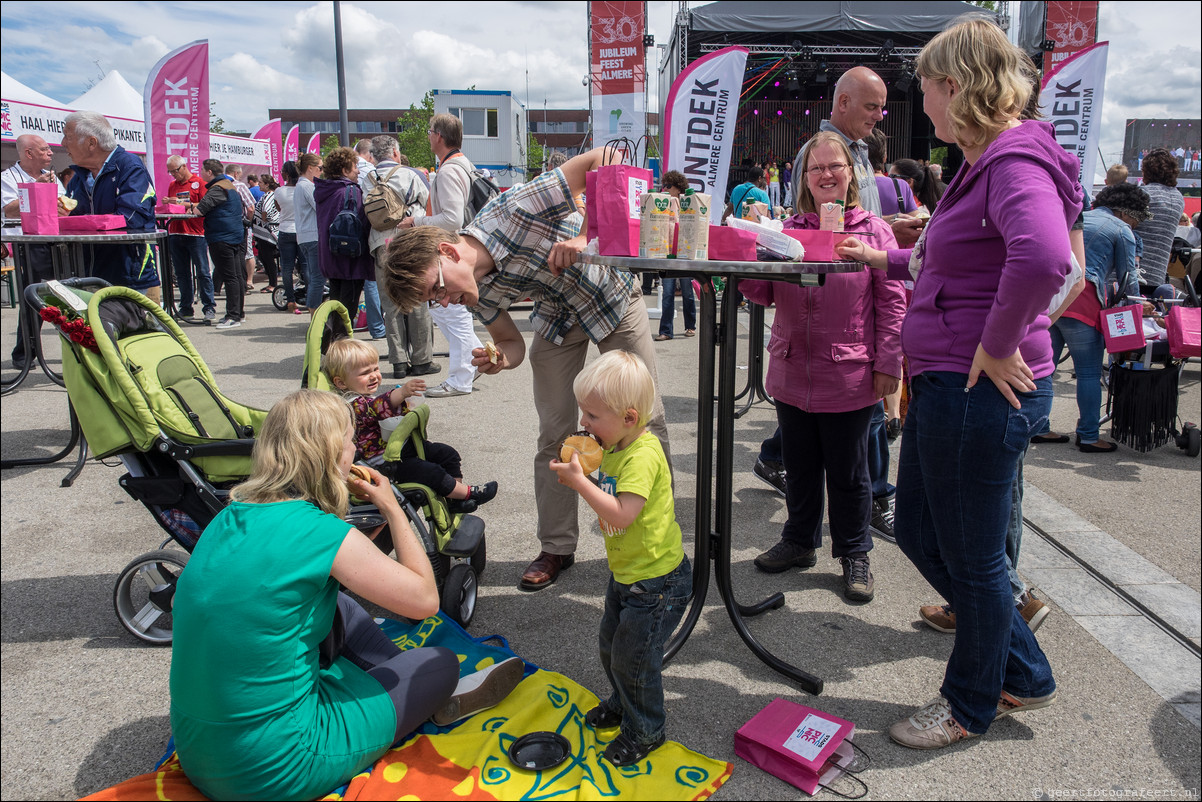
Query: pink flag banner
[292,145]
[701,112]
[1071,100]
[271,132]
[314,144]
[176,110]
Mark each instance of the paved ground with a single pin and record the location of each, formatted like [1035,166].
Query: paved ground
[86,706]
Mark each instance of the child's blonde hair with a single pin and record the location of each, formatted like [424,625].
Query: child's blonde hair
[621,381]
[347,355]
[297,451]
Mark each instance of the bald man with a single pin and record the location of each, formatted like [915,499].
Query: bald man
[33,165]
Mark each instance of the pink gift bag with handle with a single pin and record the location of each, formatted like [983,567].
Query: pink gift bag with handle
[39,207]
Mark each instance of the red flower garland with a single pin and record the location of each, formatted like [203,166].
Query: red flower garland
[75,330]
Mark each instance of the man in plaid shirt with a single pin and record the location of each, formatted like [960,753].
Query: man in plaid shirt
[524,244]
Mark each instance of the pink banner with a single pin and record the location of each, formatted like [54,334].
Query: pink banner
[176,108]
[292,145]
[271,132]
[314,144]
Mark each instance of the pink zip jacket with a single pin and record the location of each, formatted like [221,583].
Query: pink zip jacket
[828,341]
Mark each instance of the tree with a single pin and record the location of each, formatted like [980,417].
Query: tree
[216,124]
[411,136]
[329,144]
[536,156]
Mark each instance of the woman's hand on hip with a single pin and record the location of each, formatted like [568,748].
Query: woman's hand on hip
[1007,374]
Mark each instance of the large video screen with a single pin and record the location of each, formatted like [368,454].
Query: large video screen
[1182,138]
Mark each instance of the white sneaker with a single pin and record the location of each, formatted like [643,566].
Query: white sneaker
[445,390]
[480,691]
[228,323]
[932,727]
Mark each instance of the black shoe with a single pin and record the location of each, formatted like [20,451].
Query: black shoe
[857,579]
[461,505]
[482,494]
[399,371]
[771,472]
[622,751]
[785,555]
[425,369]
[187,313]
[893,428]
[19,362]
[601,719]
[882,518]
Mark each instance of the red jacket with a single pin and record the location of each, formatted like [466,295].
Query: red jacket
[828,341]
[192,191]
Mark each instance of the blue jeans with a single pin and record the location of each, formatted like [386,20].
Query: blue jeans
[289,255]
[317,280]
[375,316]
[668,306]
[638,620]
[1087,348]
[188,255]
[878,453]
[959,460]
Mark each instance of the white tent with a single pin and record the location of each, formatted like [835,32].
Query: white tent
[13,90]
[113,97]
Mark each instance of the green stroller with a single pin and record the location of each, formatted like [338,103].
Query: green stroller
[143,394]
[454,541]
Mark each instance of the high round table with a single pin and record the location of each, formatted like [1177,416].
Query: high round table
[718,336]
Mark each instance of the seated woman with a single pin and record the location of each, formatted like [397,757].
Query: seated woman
[282,687]
[836,351]
[1111,272]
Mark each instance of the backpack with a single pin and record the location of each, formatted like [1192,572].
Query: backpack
[346,232]
[481,189]
[384,206]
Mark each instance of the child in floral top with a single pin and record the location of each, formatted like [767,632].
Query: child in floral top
[353,367]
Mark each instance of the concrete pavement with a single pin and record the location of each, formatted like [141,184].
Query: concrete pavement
[86,706]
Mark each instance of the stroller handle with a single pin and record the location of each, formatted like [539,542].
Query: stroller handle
[35,292]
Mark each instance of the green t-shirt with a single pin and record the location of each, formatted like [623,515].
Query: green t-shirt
[650,546]
[253,714]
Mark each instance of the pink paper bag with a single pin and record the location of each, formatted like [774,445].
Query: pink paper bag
[1123,328]
[170,208]
[590,205]
[39,208]
[819,245]
[731,244]
[1183,324]
[792,742]
[619,190]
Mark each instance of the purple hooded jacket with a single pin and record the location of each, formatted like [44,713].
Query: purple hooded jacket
[329,197]
[828,341]
[992,256]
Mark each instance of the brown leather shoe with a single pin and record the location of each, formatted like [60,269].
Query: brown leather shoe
[543,572]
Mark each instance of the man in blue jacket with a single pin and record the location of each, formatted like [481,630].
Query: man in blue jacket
[110,180]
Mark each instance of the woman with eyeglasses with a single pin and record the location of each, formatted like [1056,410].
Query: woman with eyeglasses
[836,351]
[985,270]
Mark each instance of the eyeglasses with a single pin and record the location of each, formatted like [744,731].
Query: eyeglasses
[834,169]
[440,293]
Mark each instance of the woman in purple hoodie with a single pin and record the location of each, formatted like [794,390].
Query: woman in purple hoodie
[338,185]
[985,269]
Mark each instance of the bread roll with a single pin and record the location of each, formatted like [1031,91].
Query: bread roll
[588,450]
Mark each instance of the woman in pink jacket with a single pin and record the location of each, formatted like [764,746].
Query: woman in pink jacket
[836,351]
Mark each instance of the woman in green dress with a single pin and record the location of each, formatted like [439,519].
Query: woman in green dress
[283,687]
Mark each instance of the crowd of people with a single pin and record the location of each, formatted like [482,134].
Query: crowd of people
[978,348]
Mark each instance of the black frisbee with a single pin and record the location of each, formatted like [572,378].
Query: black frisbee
[539,751]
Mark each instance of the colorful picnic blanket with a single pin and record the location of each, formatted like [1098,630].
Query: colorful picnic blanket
[469,760]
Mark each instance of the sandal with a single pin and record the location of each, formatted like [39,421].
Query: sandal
[1100,447]
[267,289]
[624,752]
[690,332]
[601,719]
[659,338]
[1050,437]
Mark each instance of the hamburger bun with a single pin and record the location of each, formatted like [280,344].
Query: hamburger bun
[588,451]
[358,472]
[490,348]
[68,203]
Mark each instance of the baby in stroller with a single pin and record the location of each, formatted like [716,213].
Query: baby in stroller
[353,367]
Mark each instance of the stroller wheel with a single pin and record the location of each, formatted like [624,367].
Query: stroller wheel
[459,594]
[279,298]
[144,593]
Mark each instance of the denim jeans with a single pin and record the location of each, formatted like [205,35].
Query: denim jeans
[959,460]
[317,280]
[638,620]
[189,255]
[1087,348]
[290,258]
[878,453]
[375,316]
[668,307]
[1014,533]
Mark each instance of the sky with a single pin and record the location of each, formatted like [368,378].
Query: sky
[281,54]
